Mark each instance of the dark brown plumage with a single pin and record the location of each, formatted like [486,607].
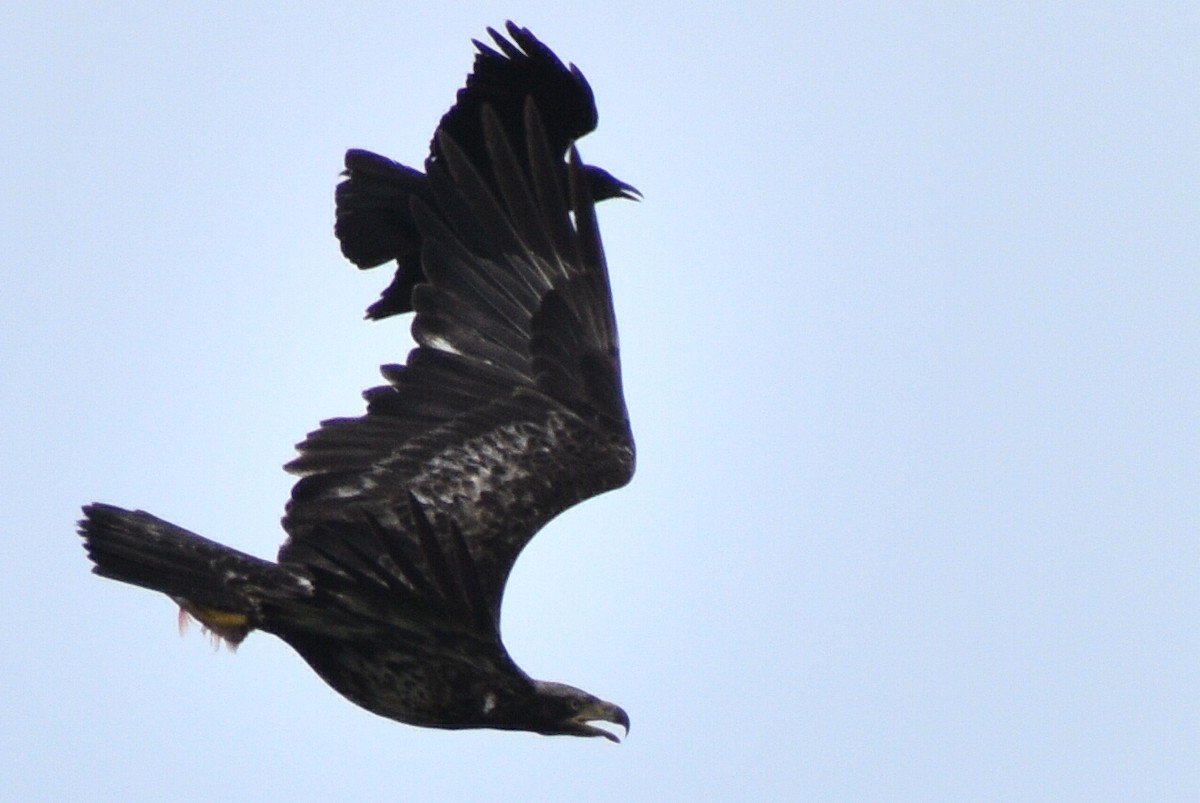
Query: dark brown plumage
[407,520]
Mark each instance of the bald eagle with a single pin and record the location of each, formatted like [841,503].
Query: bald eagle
[407,520]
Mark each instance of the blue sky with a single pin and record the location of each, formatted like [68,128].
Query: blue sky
[910,321]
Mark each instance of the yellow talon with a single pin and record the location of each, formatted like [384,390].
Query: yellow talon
[228,626]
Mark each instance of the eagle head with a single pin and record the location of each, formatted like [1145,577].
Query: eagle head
[561,710]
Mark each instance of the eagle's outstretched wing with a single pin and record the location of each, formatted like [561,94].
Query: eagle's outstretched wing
[509,411]
[503,78]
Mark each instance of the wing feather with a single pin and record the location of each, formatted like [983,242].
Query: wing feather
[502,77]
[509,410]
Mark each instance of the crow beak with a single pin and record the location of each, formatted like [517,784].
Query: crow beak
[628,191]
[603,185]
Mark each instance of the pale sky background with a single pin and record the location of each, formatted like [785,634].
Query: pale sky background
[910,320]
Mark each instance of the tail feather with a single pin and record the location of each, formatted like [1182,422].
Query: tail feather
[210,581]
[374,224]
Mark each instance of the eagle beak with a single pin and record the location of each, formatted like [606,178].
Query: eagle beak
[605,712]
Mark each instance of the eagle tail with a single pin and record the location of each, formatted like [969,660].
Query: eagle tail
[209,581]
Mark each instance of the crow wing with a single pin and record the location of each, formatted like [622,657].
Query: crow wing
[373,221]
[510,409]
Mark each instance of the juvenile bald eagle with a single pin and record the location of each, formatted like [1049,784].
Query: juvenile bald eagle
[407,520]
